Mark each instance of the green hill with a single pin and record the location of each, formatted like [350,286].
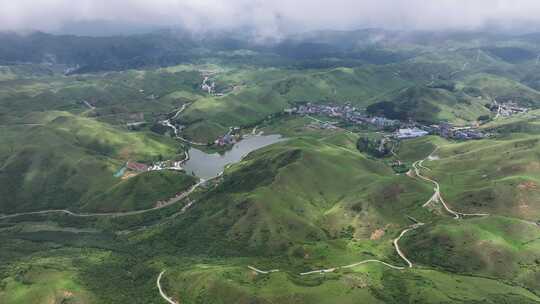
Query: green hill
[313,201]
[431,105]
[303,194]
[140,192]
[66,160]
[217,283]
[504,89]
[498,176]
[264,92]
[494,247]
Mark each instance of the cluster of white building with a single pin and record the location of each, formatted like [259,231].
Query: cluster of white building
[210,88]
[410,133]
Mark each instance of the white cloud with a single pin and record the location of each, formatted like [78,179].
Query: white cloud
[270,17]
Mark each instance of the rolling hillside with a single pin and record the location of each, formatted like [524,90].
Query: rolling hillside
[431,105]
[64,161]
[310,219]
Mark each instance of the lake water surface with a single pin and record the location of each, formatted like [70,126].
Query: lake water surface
[206,165]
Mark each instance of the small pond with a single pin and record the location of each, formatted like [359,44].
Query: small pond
[206,165]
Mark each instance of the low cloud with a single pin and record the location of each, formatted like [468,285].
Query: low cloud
[274,17]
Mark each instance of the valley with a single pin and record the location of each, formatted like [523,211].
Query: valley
[404,171]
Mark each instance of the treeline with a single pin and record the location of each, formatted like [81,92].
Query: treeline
[373,146]
[93,54]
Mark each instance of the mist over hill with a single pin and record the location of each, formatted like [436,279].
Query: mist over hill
[330,48]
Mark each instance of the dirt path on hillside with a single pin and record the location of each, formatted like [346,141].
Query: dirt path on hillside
[437,197]
[322,271]
[328,270]
[161,292]
[396,246]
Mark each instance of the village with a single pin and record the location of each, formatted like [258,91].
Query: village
[345,114]
[507,109]
[400,130]
[132,168]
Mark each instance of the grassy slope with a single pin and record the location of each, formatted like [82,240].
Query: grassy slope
[432,105]
[503,89]
[297,200]
[496,176]
[68,160]
[304,195]
[55,266]
[499,176]
[43,279]
[35,272]
[415,149]
[495,247]
[141,191]
[44,286]
[207,283]
[255,212]
[117,96]
[502,249]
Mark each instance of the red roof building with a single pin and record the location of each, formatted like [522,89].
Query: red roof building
[137,166]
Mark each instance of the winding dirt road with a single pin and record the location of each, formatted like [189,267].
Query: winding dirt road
[437,197]
[322,271]
[396,245]
[167,123]
[161,292]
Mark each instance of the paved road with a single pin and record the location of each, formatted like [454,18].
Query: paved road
[191,142]
[161,292]
[116,214]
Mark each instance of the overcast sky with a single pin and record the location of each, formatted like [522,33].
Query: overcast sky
[272,17]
